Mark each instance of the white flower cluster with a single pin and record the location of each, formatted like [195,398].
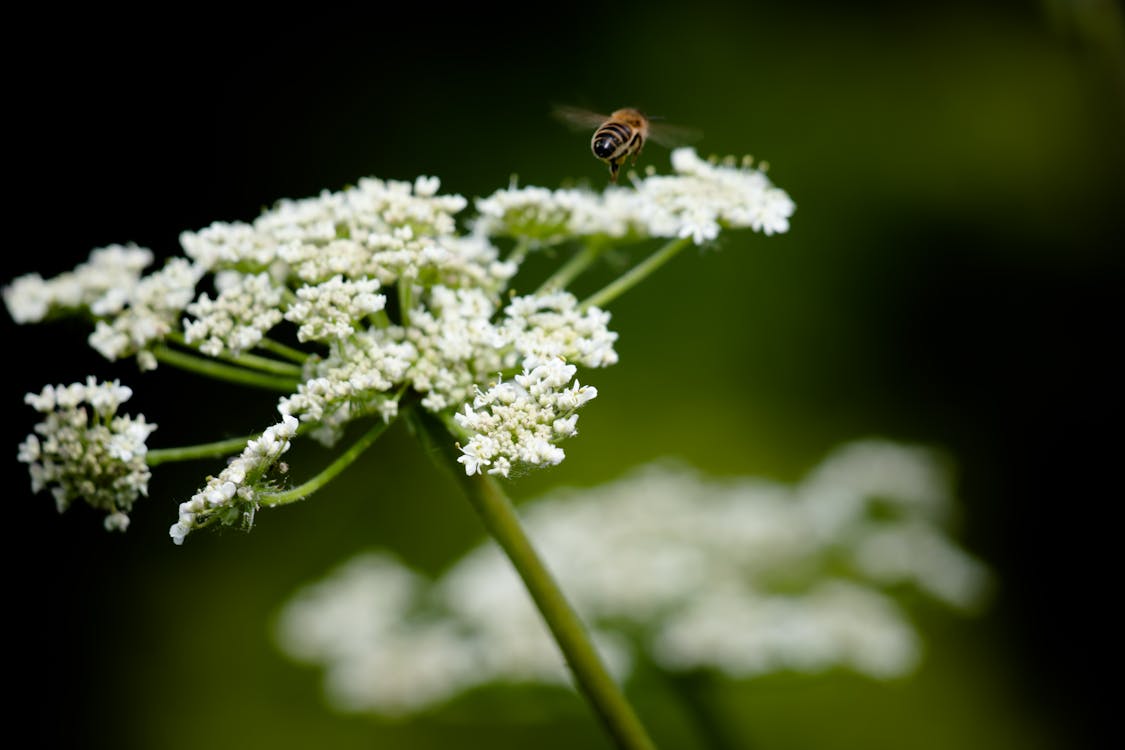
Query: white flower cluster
[521,420]
[334,308]
[83,450]
[232,497]
[696,203]
[449,328]
[102,284]
[153,306]
[377,229]
[356,378]
[233,322]
[744,577]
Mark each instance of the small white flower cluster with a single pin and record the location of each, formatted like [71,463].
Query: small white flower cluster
[233,322]
[743,577]
[523,419]
[696,203]
[334,308]
[83,450]
[150,314]
[232,496]
[553,325]
[102,284]
[356,378]
[377,229]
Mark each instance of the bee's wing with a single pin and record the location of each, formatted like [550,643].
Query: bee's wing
[578,118]
[672,135]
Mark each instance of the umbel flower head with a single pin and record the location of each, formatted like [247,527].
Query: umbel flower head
[83,450]
[366,302]
[740,576]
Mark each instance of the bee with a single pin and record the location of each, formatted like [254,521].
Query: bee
[621,136]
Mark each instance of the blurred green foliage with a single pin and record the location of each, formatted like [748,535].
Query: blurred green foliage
[951,277]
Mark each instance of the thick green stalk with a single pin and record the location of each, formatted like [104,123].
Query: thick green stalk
[264,364]
[280,349]
[502,522]
[636,274]
[247,360]
[220,371]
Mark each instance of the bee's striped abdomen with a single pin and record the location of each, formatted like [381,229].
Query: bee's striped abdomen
[612,140]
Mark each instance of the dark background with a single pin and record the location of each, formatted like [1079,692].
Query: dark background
[952,277]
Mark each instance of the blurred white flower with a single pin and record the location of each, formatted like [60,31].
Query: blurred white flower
[740,576]
[102,284]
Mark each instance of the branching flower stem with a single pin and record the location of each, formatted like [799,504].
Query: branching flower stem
[264,364]
[635,275]
[499,516]
[158,456]
[345,459]
[249,361]
[281,350]
[570,270]
[220,371]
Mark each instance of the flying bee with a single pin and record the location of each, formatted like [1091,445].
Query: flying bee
[621,136]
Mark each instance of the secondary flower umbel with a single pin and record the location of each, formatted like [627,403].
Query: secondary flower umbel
[372,301]
[84,450]
[744,577]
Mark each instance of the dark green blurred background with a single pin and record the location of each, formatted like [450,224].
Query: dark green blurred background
[952,277]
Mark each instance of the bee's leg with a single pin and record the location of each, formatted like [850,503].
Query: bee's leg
[613,167]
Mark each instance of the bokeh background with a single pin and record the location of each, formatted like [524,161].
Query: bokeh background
[952,277]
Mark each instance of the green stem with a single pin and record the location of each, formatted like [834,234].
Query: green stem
[250,361]
[345,459]
[634,275]
[159,456]
[519,252]
[220,371]
[570,270]
[502,522]
[281,350]
[696,694]
[405,299]
[263,364]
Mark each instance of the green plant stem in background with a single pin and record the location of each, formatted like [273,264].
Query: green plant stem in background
[636,274]
[219,371]
[500,519]
[519,252]
[695,692]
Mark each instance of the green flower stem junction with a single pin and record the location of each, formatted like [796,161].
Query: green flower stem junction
[301,491]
